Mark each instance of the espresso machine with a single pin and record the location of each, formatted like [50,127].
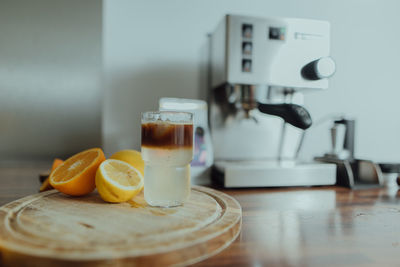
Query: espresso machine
[260,69]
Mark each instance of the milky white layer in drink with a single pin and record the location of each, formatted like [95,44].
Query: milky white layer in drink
[174,157]
[166,175]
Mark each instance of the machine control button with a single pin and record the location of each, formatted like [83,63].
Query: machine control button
[246,65]
[318,69]
[247,48]
[247,30]
[277,33]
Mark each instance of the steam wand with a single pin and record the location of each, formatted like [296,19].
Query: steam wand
[293,114]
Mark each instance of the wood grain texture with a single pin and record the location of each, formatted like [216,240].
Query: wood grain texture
[321,226]
[52,229]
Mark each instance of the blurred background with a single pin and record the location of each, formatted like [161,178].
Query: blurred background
[77,74]
[50,78]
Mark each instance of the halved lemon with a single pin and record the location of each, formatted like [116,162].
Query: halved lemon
[117,181]
[132,157]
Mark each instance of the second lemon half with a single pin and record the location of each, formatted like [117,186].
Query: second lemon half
[132,157]
[117,181]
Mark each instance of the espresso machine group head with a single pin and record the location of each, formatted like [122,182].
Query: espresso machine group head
[260,68]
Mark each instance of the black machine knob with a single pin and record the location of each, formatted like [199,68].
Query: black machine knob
[293,114]
[319,69]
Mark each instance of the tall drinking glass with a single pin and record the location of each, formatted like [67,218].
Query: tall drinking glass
[167,150]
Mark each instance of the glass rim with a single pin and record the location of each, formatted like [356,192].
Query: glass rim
[171,119]
[167,111]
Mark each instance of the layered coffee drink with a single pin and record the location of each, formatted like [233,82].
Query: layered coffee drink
[167,150]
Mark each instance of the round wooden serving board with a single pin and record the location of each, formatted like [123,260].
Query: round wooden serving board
[52,229]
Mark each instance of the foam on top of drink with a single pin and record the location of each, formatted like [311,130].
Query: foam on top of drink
[167,135]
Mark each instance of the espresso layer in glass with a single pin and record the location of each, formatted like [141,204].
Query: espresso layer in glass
[164,135]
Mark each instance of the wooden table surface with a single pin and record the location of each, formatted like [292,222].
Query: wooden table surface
[321,226]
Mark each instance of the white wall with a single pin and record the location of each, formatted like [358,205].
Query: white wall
[156,48]
[50,74]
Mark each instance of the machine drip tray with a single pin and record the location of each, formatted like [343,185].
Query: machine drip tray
[236,174]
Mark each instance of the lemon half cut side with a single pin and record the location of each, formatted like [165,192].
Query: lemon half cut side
[118,181]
